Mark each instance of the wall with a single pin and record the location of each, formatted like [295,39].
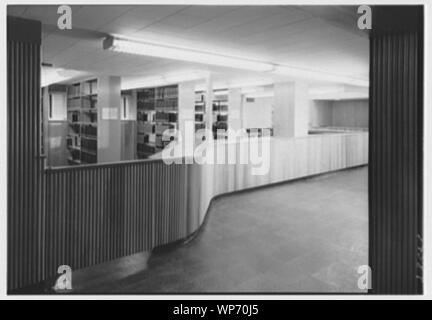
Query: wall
[341,113]
[258,114]
[320,114]
[350,113]
[58,106]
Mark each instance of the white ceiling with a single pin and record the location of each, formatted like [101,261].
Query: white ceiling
[322,39]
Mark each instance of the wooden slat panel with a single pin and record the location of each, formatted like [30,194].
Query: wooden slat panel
[98,213]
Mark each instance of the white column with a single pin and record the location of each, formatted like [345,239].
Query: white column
[234,109]
[186,116]
[291,109]
[109,126]
[208,117]
[186,104]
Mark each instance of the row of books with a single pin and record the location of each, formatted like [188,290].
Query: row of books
[90,144]
[166,116]
[82,117]
[145,105]
[220,126]
[171,104]
[83,102]
[89,117]
[74,90]
[146,148]
[151,128]
[146,116]
[88,157]
[199,126]
[146,94]
[89,130]
[220,107]
[82,89]
[199,107]
[199,117]
[221,118]
[169,92]
[146,128]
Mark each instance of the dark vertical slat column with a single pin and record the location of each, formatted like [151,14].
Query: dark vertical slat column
[395,157]
[25,165]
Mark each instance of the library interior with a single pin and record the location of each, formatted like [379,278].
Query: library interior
[95,107]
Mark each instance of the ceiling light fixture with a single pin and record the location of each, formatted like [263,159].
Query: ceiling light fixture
[183,54]
[173,52]
[128,83]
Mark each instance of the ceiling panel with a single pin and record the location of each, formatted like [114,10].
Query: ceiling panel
[320,38]
[206,13]
[155,12]
[233,18]
[239,32]
[94,17]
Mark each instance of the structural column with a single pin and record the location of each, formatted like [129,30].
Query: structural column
[129,126]
[234,109]
[208,117]
[186,112]
[109,125]
[291,109]
[26,152]
[395,153]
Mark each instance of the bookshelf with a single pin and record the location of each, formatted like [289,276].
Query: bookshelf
[200,107]
[82,121]
[157,111]
[220,114]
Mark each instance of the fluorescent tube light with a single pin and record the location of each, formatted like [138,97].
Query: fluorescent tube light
[128,83]
[183,54]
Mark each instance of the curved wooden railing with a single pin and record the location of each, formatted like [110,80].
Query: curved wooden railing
[95,213]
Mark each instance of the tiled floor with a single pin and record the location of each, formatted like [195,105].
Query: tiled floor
[307,236]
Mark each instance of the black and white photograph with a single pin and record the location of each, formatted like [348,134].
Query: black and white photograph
[217,149]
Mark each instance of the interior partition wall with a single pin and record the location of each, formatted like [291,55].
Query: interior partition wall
[395,155]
